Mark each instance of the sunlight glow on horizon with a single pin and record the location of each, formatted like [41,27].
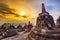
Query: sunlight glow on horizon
[22,13]
[27,10]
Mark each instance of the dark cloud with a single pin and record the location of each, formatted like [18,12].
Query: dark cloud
[35,4]
[24,16]
[4,9]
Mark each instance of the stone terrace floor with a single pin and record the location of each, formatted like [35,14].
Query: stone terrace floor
[20,36]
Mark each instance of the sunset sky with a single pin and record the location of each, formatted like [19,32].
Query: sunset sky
[28,10]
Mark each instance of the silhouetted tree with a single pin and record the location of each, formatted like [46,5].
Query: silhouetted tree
[11,26]
[25,27]
[19,26]
[5,26]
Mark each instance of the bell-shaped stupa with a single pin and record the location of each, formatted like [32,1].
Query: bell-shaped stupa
[45,28]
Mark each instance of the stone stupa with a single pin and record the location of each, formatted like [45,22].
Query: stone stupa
[45,28]
[58,22]
[28,26]
[45,19]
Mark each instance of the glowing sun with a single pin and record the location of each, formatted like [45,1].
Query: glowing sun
[22,13]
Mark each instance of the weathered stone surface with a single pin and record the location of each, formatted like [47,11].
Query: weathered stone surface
[9,33]
[45,28]
[58,22]
[20,36]
[28,27]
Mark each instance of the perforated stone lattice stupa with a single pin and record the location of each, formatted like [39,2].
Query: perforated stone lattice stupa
[45,19]
[45,28]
